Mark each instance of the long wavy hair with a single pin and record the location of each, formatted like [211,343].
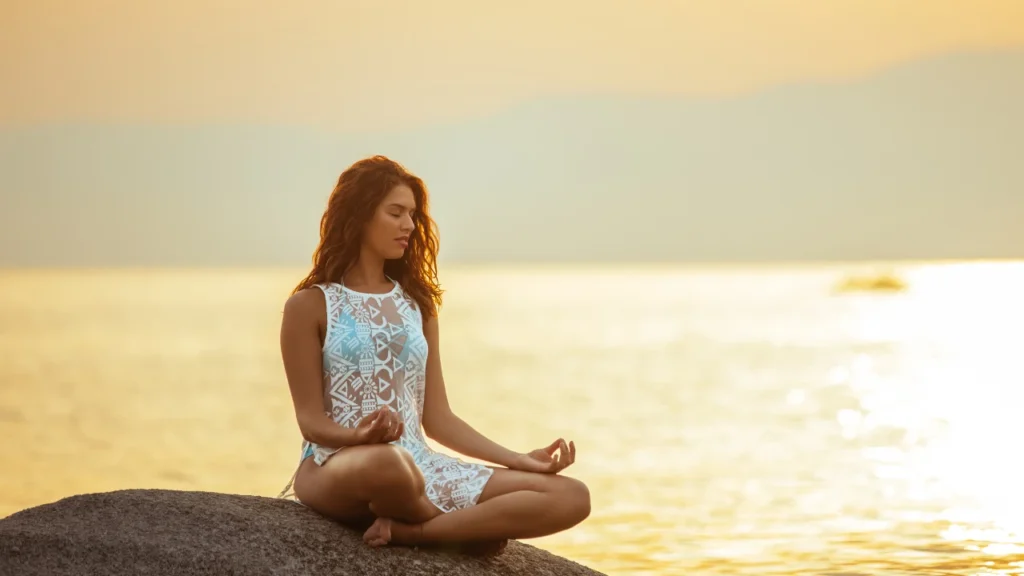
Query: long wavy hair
[359,191]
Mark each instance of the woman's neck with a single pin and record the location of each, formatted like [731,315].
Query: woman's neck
[367,271]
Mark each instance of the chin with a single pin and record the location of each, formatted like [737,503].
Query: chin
[395,255]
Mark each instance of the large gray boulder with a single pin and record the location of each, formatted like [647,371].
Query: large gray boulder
[158,532]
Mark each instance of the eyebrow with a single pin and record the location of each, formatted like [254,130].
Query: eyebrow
[397,205]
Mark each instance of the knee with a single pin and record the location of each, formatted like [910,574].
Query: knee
[391,468]
[575,500]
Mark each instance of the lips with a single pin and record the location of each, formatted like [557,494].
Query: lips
[404,241]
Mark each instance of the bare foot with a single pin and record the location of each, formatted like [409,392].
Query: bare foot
[379,534]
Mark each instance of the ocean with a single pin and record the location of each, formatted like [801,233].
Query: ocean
[728,420]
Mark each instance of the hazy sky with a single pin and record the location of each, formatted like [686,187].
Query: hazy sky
[366,64]
[210,132]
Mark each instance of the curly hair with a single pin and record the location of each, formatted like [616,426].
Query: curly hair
[359,191]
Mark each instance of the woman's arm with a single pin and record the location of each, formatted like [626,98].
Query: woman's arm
[442,425]
[304,314]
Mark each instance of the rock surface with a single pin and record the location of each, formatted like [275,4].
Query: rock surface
[157,532]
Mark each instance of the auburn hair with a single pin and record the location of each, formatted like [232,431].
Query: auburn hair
[352,204]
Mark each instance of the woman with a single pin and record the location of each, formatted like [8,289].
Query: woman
[359,341]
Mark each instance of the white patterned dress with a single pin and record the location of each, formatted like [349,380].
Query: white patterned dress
[375,355]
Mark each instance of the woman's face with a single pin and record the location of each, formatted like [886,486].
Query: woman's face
[387,233]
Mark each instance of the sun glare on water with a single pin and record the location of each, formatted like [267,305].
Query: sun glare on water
[728,420]
[957,396]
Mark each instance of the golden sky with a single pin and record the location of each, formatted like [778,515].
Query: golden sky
[383,63]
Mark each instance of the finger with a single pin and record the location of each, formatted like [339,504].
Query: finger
[369,424]
[572,453]
[564,458]
[396,432]
[375,433]
[380,426]
[554,446]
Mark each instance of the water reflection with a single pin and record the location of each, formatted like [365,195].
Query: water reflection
[728,421]
[941,418]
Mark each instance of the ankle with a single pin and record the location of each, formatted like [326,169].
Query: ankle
[405,533]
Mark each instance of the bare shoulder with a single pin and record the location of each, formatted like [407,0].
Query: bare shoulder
[305,305]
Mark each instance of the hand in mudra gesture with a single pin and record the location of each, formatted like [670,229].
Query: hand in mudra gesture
[551,459]
[382,426]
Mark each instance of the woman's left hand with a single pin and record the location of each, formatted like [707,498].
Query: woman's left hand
[549,460]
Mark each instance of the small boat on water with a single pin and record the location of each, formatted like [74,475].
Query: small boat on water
[885,282]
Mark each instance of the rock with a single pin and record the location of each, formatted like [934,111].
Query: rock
[157,532]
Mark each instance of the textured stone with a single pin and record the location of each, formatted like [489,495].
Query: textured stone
[157,532]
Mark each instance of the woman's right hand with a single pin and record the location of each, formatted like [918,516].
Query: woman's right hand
[382,426]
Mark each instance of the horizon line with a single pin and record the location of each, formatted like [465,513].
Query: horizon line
[534,264]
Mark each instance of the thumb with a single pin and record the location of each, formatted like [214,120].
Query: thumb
[541,455]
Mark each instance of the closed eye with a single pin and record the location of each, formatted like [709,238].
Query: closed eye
[396,211]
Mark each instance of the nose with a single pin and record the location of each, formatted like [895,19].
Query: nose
[408,224]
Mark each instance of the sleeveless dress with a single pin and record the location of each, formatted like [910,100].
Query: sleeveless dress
[374,355]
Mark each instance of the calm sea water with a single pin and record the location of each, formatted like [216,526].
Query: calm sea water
[728,421]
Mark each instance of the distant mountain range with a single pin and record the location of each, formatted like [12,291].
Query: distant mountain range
[921,161]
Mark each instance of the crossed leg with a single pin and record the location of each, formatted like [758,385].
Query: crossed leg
[382,481]
[362,482]
[513,505]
